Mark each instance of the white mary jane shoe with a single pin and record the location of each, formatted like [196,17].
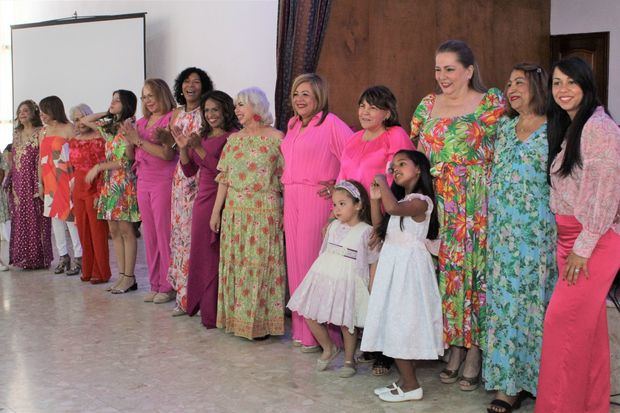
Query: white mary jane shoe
[402,396]
[380,390]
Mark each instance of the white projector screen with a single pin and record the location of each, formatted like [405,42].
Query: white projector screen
[80,60]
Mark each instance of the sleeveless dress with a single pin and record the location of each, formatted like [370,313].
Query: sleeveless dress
[335,290]
[57,176]
[184,191]
[404,318]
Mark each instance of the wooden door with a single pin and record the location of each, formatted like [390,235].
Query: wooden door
[591,47]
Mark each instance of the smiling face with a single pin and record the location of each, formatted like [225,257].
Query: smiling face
[518,91]
[371,117]
[566,92]
[244,112]
[116,107]
[150,99]
[192,87]
[213,114]
[404,171]
[45,118]
[450,74]
[346,210]
[24,114]
[304,101]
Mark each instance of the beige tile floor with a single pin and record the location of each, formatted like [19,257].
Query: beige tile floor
[68,346]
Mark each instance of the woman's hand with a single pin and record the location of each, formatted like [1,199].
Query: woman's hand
[164,137]
[92,174]
[182,140]
[194,140]
[575,265]
[215,222]
[129,133]
[328,187]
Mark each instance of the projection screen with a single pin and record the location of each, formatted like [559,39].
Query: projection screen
[80,60]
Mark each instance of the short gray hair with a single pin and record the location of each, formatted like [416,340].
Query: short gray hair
[83,108]
[257,98]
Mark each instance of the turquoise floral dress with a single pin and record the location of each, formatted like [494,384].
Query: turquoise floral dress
[521,268]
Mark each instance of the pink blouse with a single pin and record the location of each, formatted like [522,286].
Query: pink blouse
[148,166]
[313,154]
[362,160]
[591,193]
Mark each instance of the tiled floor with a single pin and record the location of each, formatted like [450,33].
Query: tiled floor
[68,346]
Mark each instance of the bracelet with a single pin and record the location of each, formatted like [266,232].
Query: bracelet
[139,143]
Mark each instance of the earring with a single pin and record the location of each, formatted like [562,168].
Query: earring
[256,118]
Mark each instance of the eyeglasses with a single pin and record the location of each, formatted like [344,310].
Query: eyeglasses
[147,97]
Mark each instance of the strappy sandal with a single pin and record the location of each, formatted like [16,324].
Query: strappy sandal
[118,282]
[382,366]
[132,287]
[505,406]
[448,376]
[471,383]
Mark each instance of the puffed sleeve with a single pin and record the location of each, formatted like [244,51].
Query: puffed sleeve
[339,134]
[597,202]
[492,108]
[223,164]
[420,115]
[365,256]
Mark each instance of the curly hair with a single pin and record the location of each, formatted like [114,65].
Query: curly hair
[205,81]
[34,110]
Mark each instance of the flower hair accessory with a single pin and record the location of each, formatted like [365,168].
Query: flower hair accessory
[350,188]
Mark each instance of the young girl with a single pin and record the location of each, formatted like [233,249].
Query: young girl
[335,290]
[404,311]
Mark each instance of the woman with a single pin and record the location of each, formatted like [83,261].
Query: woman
[367,153]
[117,203]
[5,216]
[86,150]
[201,154]
[251,273]
[455,129]
[312,149]
[189,86]
[521,268]
[155,164]
[57,180]
[30,244]
[584,160]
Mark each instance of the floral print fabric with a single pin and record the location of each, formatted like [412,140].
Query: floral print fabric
[521,269]
[460,150]
[251,277]
[118,200]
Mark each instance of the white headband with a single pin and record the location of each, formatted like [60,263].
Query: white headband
[350,188]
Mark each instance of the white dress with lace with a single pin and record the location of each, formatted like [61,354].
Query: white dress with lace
[335,290]
[404,317]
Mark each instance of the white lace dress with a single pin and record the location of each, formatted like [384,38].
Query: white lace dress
[404,317]
[335,290]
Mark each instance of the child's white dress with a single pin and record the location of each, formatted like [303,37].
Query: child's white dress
[335,290]
[404,318]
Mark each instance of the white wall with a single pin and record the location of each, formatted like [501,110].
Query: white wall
[234,40]
[585,16]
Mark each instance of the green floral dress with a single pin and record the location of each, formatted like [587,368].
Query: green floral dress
[252,272]
[118,199]
[521,269]
[461,150]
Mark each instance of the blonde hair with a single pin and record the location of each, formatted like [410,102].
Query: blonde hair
[258,100]
[320,90]
[161,93]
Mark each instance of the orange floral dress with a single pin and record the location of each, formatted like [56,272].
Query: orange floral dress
[461,152]
[57,176]
[252,272]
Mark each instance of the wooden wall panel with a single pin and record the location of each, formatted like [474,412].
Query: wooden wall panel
[393,42]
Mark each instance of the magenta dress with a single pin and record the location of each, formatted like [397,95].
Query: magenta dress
[361,160]
[310,155]
[30,246]
[154,197]
[204,254]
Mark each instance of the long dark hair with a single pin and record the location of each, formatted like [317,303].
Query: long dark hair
[53,107]
[205,82]
[227,106]
[423,186]
[465,56]
[129,102]
[364,213]
[560,128]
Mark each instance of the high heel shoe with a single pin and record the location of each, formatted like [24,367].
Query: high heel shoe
[117,283]
[64,264]
[132,287]
[77,266]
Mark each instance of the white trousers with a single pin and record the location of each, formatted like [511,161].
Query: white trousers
[60,235]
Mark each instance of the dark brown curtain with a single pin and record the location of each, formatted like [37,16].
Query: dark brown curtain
[301,28]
